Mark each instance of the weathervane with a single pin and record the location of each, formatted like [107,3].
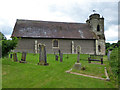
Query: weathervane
[94,11]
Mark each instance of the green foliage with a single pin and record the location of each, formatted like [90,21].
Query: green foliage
[2,37]
[114,63]
[8,45]
[107,45]
[111,46]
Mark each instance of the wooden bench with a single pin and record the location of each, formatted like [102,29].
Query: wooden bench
[95,58]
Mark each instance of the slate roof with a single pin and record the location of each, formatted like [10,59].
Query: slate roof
[48,29]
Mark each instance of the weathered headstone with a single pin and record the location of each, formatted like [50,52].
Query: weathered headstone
[10,55]
[59,52]
[78,57]
[109,52]
[23,59]
[56,57]
[15,57]
[61,57]
[77,65]
[42,56]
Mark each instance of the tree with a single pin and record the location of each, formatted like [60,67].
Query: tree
[7,45]
[2,37]
[107,45]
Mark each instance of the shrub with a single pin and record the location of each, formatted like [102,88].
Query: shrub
[114,63]
[7,45]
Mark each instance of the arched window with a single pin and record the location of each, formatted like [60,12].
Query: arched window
[98,27]
[99,48]
[55,43]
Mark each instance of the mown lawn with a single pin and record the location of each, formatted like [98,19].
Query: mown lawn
[31,75]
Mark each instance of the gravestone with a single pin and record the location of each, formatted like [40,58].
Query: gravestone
[56,57]
[15,57]
[23,59]
[61,57]
[77,65]
[59,52]
[109,52]
[42,55]
[10,55]
[78,57]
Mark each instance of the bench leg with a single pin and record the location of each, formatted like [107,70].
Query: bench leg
[101,60]
[89,60]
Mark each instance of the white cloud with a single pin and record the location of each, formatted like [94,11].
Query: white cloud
[112,33]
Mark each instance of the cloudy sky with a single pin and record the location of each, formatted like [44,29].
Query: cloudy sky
[59,10]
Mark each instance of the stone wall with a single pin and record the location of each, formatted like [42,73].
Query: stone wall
[65,45]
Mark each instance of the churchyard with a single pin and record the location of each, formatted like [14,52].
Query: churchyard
[53,75]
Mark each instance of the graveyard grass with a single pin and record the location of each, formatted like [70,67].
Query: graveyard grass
[31,75]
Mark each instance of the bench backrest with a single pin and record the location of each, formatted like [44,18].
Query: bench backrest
[96,56]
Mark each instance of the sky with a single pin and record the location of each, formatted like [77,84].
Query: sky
[61,11]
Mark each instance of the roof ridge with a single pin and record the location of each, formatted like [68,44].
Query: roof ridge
[49,21]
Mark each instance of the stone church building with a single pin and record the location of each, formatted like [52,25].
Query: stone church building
[88,38]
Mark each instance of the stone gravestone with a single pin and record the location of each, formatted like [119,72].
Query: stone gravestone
[61,57]
[42,56]
[109,52]
[15,57]
[59,52]
[78,57]
[56,57]
[10,55]
[23,59]
[77,65]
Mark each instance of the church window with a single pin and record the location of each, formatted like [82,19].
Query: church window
[99,48]
[98,27]
[55,43]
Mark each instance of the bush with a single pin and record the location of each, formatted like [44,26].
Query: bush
[7,45]
[114,63]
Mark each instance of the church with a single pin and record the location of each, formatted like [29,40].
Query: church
[69,38]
